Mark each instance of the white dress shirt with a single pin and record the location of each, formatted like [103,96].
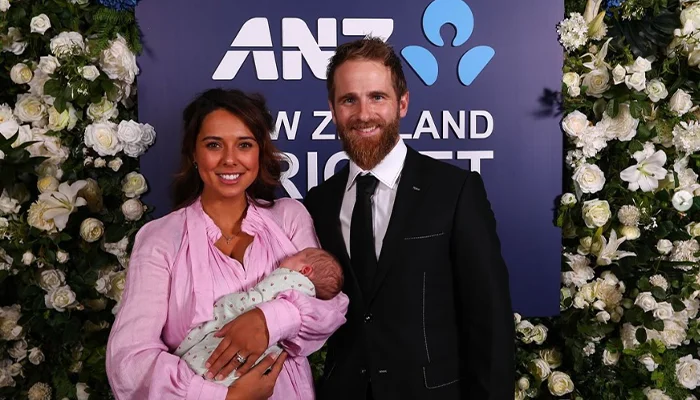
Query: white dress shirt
[388,172]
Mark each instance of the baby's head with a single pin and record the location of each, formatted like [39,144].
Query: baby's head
[320,267]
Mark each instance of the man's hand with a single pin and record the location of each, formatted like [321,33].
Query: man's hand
[245,339]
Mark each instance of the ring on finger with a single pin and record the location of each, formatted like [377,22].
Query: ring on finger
[240,358]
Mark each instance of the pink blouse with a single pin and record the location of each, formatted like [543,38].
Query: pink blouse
[175,275]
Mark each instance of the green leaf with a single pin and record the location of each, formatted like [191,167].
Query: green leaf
[53,87]
[677,304]
[613,108]
[60,104]
[643,284]
[658,325]
[641,335]
[599,107]
[658,292]
[636,145]
[643,131]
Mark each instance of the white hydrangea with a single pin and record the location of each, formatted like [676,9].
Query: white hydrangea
[628,215]
[573,32]
[686,137]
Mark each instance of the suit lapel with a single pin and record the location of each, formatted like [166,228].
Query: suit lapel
[411,191]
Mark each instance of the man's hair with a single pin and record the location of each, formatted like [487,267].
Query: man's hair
[328,274]
[369,48]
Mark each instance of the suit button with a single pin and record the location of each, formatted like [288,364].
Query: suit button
[363,371]
[368,317]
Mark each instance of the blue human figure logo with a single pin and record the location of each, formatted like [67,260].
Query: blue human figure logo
[436,15]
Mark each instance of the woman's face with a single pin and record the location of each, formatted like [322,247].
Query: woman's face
[227,155]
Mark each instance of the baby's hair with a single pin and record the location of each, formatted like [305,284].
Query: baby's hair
[328,274]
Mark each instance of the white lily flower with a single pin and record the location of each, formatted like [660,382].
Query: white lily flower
[60,204]
[598,60]
[647,173]
[609,249]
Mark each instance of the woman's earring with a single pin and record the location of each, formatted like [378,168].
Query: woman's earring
[195,165]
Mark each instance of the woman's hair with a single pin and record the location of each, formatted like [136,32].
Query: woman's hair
[252,110]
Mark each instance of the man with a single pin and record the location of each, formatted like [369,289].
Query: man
[430,314]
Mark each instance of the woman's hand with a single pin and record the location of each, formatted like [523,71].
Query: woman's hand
[245,339]
[260,382]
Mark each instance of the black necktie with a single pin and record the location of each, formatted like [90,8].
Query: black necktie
[362,252]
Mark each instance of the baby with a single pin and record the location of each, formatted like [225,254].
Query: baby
[311,271]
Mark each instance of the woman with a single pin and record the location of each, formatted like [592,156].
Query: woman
[226,234]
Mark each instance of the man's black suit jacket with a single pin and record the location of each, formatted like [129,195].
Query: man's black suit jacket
[438,322]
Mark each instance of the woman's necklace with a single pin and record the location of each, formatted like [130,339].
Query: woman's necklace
[229,239]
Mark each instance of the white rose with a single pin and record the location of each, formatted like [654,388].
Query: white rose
[630,232]
[648,361]
[36,357]
[115,164]
[523,383]
[81,391]
[102,111]
[148,135]
[60,298]
[2,155]
[4,6]
[14,41]
[100,162]
[8,124]
[118,62]
[65,120]
[553,357]
[67,43]
[680,102]
[14,370]
[48,64]
[21,74]
[539,368]
[610,358]
[693,229]
[656,90]
[574,91]
[623,127]
[571,79]
[134,185]
[89,72]
[596,82]
[40,24]
[560,383]
[603,316]
[575,124]
[596,213]
[116,284]
[52,279]
[636,81]
[19,350]
[688,372]
[674,333]
[102,285]
[102,137]
[619,74]
[134,150]
[47,184]
[589,178]
[30,108]
[27,258]
[91,229]
[663,310]
[691,14]
[655,394]
[8,205]
[692,307]
[645,301]
[129,132]
[568,199]
[62,257]
[682,200]
[519,394]
[132,209]
[539,334]
[640,65]
[664,246]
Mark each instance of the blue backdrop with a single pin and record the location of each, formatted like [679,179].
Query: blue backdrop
[477,73]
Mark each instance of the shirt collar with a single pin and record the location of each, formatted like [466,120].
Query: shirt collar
[387,171]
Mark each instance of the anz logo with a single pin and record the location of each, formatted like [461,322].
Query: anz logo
[298,43]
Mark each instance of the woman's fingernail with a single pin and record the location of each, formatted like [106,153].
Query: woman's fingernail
[219,377]
[207,365]
[236,374]
[275,355]
[209,375]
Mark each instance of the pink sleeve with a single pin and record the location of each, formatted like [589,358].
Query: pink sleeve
[139,365]
[301,324]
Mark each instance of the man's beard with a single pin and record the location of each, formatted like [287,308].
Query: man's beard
[367,152]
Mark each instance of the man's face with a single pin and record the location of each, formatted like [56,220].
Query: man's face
[366,111]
